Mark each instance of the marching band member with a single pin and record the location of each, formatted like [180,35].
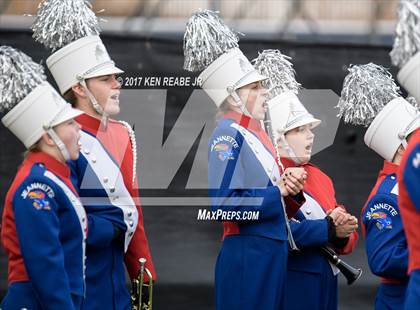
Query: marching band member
[409,202]
[243,173]
[405,53]
[320,221]
[44,224]
[106,170]
[371,97]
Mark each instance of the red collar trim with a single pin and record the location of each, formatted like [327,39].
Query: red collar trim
[244,120]
[52,164]
[389,168]
[91,123]
[288,163]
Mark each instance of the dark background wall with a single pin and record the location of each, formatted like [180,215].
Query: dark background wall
[184,249]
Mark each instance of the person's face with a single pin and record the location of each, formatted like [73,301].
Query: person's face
[69,133]
[301,140]
[254,96]
[106,90]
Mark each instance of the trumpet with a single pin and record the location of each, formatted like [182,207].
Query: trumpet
[138,284]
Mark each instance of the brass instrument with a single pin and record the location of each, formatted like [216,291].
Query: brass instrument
[137,286]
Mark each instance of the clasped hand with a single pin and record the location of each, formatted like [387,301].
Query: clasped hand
[345,223]
[292,181]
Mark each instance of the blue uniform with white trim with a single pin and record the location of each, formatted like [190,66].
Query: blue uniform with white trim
[104,178]
[43,232]
[386,245]
[251,266]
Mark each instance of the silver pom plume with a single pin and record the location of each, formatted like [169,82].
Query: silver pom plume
[407,39]
[366,90]
[411,100]
[279,70]
[19,75]
[206,38]
[60,22]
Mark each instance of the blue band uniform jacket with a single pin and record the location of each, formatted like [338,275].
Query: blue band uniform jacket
[44,230]
[386,245]
[251,266]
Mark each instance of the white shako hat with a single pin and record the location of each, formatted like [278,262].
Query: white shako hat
[390,128]
[287,113]
[284,107]
[71,29]
[226,74]
[405,53]
[31,104]
[80,60]
[371,98]
[40,110]
[409,76]
[211,46]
